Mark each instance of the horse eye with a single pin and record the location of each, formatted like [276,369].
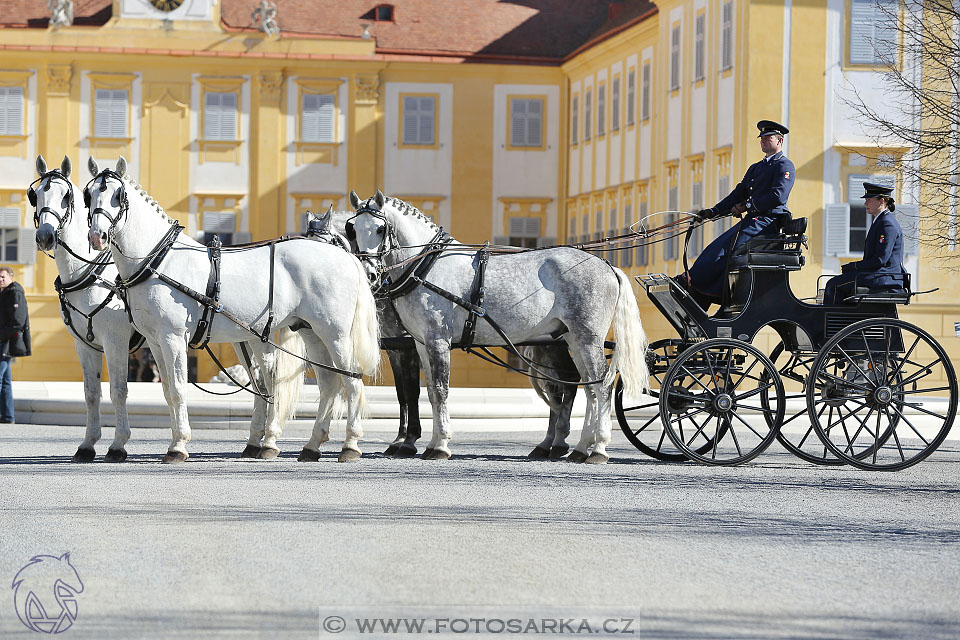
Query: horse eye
[379,231]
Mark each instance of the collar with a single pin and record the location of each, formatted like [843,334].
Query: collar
[769,159]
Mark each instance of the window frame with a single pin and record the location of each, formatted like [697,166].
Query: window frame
[878,16]
[699,47]
[587,114]
[401,128]
[110,82]
[601,109]
[615,103]
[574,119]
[646,84]
[676,42]
[726,36]
[542,99]
[631,106]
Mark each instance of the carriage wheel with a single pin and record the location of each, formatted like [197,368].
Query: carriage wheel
[711,395]
[642,428]
[796,433]
[884,382]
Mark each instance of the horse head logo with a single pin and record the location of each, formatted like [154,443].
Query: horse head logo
[45,593]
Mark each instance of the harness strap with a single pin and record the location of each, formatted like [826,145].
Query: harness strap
[267,328]
[148,268]
[418,268]
[476,298]
[201,336]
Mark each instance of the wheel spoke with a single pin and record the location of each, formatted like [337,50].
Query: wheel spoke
[916,405]
[747,425]
[849,383]
[916,391]
[753,392]
[695,379]
[925,371]
[641,406]
[646,424]
[894,432]
[903,417]
[866,344]
[854,363]
[903,361]
[745,375]
[733,434]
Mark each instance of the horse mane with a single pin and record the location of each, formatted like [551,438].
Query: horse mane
[408,209]
[149,199]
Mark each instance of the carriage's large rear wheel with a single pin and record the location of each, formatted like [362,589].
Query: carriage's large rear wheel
[711,396]
[641,422]
[890,392]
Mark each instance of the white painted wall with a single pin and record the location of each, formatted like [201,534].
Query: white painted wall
[419,171]
[314,177]
[525,173]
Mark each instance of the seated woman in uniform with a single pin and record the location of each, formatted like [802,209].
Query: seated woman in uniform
[881,266]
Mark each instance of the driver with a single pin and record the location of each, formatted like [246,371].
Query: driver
[762,196]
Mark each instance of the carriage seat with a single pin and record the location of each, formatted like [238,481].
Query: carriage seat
[890,294]
[781,252]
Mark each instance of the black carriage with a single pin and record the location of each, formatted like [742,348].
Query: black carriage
[848,383]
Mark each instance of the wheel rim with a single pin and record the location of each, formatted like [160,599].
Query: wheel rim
[711,401]
[891,394]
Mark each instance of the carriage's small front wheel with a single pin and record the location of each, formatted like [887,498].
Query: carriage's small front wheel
[888,393]
[710,402]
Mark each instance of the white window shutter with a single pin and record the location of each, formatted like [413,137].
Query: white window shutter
[211,116]
[3,110]
[525,227]
[411,120]
[836,230]
[101,113]
[426,120]
[228,116]
[726,54]
[11,110]
[908,215]
[327,119]
[534,122]
[27,246]
[518,120]
[861,31]
[9,217]
[310,118]
[219,221]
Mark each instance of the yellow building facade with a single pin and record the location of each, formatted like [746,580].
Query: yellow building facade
[239,133]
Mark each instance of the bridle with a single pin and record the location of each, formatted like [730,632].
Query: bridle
[62,219]
[389,242]
[121,195]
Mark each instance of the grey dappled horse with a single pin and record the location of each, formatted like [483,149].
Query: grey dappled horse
[560,291]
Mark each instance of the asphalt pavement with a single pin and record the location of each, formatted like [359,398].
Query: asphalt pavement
[220,547]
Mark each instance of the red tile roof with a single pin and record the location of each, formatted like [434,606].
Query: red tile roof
[496,29]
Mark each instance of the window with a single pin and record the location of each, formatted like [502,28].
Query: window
[671,245]
[613,256]
[642,251]
[631,96]
[585,228]
[698,47]
[675,58]
[11,111]
[845,225]
[526,122]
[574,119]
[16,244]
[524,232]
[572,236]
[383,13]
[110,113]
[221,223]
[696,201]
[645,94]
[615,104]
[419,120]
[602,110]
[626,255]
[726,37]
[873,32]
[318,118]
[721,225]
[587,106]
[220,116]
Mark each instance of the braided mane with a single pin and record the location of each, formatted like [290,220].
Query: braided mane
[146,196]
[408,209]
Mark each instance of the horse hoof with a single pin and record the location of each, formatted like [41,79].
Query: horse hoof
[174,457]
[392,450]
[558,451]
[250,451]
[115,455]
[437,454]
[428,453]
[576,456]
[84,455]
[539,453]
[308,455]
[348,455]
[597,458]
[268,453]
[406,451]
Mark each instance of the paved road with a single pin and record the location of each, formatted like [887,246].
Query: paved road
[221,547]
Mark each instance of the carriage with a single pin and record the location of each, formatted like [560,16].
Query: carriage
[848,383]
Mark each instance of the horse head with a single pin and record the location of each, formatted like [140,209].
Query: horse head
[46,580]
[106,199]
[51,196]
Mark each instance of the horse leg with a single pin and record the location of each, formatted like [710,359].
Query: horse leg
[328,387]
[559,447]
[410,372]
[602,436]
[258,421]
[91,361]
[265,357]
[435,359]
[117,367]
[174,371]
[396,365]
[588,355]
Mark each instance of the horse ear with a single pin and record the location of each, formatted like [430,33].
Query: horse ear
[379,199]
[66,556]
[122,166]
[41,165]
[66,167]
[354,199]
[322,223]
[93,167]
[330,210]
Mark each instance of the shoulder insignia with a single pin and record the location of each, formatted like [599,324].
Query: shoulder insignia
[786,175]
[882,238]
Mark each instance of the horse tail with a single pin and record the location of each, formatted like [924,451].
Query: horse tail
[630,354]
[365,331]
[288,375]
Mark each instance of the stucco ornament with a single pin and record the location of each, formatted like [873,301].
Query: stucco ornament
[265,17]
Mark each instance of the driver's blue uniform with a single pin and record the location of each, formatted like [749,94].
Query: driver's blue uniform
[765,187]
[882,264]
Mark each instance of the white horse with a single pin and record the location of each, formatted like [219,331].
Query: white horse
[89,305]
[305,287]
[560,291]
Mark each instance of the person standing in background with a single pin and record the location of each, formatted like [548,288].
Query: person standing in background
[14,337]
